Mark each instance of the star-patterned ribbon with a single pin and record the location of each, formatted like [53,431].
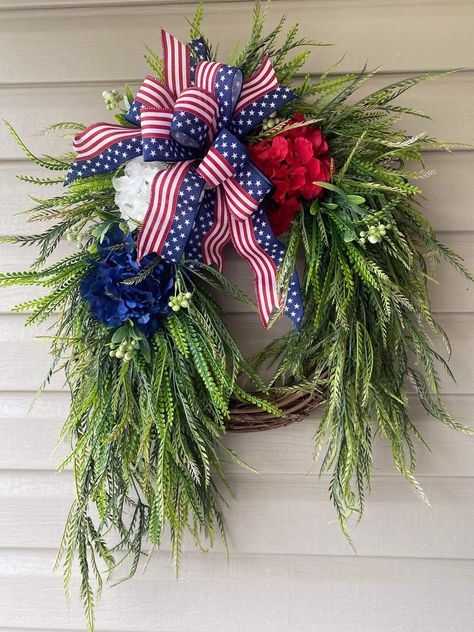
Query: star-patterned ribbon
[213,193]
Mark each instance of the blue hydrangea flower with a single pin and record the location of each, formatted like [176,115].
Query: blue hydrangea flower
[111,301]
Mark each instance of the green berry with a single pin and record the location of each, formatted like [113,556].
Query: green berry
[128,356]
[119,354]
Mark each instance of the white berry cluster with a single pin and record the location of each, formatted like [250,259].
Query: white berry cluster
[133,189]
[374,234]
[112,99]
[180,300]
[126,350]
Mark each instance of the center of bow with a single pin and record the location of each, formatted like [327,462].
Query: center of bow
[226,164]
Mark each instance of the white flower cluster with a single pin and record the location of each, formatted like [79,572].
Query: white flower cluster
[133,189]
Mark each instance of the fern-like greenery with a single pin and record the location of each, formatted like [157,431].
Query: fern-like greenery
[368,318]
[145,434]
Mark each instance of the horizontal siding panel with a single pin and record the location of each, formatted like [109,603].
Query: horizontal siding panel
[280,4]
[265,593]
[28,352]
[64,4]
[31,109]
[87,44]
[29,440]
[452,292]
[278,514]
[24,360]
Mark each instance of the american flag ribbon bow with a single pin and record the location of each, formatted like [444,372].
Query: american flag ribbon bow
[212,193]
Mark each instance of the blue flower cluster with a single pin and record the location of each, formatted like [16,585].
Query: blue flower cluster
[113,302]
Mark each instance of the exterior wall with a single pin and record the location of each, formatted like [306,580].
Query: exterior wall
[290,569]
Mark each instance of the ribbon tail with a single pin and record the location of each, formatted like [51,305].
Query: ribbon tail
[174,202]
[203,221]
[219,235]
[264,269]
[102,148]
[255,241]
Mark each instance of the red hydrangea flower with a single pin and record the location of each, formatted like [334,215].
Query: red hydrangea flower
[293,160]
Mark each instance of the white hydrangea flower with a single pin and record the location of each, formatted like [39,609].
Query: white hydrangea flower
[133,189]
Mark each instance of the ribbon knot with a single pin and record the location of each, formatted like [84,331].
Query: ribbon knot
[197,118]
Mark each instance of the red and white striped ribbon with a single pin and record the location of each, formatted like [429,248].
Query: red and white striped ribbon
[226,227]
[199,102]
[177,67]
[154,94]
[206,73]
[214,168]
[162,208]
[98,137]
[258,85]
[156,122]
[264,270]
[240,204]
[219,235]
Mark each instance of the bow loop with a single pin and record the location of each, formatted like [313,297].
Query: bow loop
[224,82]
[195,117]
[176,63]
[152,94]
[157,142]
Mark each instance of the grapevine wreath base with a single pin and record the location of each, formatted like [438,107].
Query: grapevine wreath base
[295,406]
[206,154]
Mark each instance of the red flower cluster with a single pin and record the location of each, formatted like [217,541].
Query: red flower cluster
[293,160]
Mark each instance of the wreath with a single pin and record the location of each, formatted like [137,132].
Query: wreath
[204,154]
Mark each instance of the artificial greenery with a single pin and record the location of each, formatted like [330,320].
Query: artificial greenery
[148,415]
[367,248]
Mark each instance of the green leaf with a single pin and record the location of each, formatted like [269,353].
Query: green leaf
[355,199]
[349,235]
[120,334]
[145,349]
[314,208]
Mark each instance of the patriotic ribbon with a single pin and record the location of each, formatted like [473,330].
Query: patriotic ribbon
[213,194]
